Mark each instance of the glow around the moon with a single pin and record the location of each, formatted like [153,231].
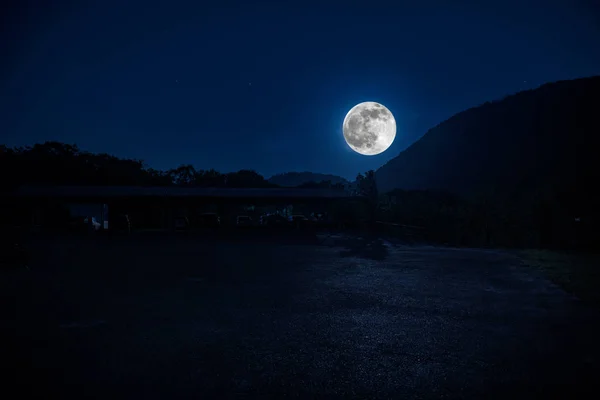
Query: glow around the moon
[369,128]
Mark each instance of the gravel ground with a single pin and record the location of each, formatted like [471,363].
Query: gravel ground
[249,316]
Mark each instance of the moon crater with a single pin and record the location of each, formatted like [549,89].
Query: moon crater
[369,128]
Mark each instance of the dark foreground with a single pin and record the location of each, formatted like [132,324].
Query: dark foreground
[171,317]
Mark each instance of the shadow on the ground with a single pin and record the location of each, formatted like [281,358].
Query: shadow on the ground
[370,247]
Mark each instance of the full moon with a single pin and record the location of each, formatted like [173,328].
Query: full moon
[369,128]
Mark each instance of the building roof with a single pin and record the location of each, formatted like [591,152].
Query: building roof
[172,191]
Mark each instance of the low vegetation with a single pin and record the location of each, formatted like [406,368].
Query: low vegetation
[577,273]
[534,219]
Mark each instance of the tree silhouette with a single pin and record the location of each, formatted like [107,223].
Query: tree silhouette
[210,178]
[184,175]
[366,186]
[55,163]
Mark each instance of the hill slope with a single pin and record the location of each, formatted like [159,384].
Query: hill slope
[546,136]
[290,179]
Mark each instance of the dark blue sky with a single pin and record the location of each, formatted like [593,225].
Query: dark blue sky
[169,82]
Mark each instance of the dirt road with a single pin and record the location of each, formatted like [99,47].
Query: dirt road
[335,317]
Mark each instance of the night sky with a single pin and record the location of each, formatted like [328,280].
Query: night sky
[265,85]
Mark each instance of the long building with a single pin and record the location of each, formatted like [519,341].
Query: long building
[158,207]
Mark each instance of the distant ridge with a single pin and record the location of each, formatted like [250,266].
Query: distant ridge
[535,138]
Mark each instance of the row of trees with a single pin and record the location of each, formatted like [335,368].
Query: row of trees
[65,164]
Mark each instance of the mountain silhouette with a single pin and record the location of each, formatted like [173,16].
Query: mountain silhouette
[536,138]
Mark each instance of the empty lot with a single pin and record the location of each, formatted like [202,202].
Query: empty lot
[171,316]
